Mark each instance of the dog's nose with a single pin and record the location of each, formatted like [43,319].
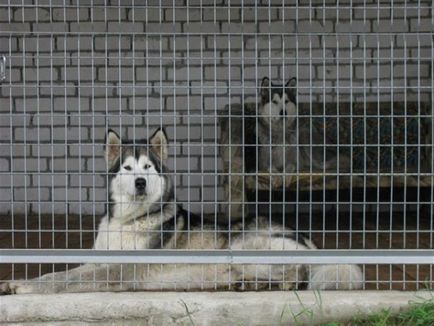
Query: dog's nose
[140,184]
[282,112]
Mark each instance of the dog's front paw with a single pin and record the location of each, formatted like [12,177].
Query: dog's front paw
[17,288]
[276,181]
[286,286]
[250,285]
[9,288]
[5,288]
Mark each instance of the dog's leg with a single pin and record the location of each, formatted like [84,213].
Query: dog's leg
[87,277]
[184,277]
[260,277]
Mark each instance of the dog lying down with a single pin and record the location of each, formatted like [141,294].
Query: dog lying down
[142,205]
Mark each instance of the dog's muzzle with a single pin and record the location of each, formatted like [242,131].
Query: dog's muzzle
[140,186]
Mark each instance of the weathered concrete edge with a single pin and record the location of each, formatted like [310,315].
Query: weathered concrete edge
[210,308]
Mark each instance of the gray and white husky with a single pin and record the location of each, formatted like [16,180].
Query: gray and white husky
[143,214]
[284,146]
[276,132]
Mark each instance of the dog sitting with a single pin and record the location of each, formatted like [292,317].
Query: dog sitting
[143,214]
[284,145]
[276,116]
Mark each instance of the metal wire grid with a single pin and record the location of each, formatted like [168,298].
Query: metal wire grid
[103,39]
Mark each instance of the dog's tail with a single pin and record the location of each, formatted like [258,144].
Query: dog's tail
[335,277]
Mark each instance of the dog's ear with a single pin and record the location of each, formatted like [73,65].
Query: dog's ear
[112,147]
[158,144]
[265,88]
[292,82]
[265,82]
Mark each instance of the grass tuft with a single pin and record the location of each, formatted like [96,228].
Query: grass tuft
[420,314]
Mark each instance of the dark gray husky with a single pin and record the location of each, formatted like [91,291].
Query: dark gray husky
[276,130]
[143,214]
[285,146]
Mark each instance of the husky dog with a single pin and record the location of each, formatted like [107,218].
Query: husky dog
[143,214]
[277,112]
[278,134]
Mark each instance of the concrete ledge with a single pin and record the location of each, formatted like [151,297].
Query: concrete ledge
[203,308]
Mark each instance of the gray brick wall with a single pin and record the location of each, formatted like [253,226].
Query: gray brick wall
[74,71]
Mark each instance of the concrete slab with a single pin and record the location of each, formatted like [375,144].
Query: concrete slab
[203,308]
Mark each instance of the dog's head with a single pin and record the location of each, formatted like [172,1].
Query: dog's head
[136,168]
[278,102]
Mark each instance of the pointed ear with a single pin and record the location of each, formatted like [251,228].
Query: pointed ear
[265,87]
[265,82]
[158,144]
[292,82]
[112,147]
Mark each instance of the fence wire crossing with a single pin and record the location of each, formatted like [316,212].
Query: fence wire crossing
[216,144]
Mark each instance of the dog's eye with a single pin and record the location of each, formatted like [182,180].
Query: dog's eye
[275,101]
[147,166]
[286,101]
[127,167]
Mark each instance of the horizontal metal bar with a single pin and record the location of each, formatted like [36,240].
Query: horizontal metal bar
[209,86]
[358,256]
[180,33]
[198,203]
[211,115]
[257,6]
[205,57]
[424,231]
[253,174]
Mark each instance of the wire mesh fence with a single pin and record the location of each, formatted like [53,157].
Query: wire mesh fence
[288,127]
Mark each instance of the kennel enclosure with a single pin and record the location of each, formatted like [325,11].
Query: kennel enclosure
[364,74]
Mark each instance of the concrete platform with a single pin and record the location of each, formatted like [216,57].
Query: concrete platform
[203,308]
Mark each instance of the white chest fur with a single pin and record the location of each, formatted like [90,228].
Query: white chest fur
[123,234]
[115,234]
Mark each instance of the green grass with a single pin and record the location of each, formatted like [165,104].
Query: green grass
[420,314]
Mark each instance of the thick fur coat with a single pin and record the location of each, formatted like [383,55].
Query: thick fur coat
[143,214]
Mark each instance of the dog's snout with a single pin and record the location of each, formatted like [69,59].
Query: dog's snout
[282,112]
[140,184]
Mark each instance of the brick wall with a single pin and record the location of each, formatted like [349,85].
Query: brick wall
[75,70]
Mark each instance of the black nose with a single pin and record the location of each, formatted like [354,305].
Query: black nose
[282,112]
[140,184]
